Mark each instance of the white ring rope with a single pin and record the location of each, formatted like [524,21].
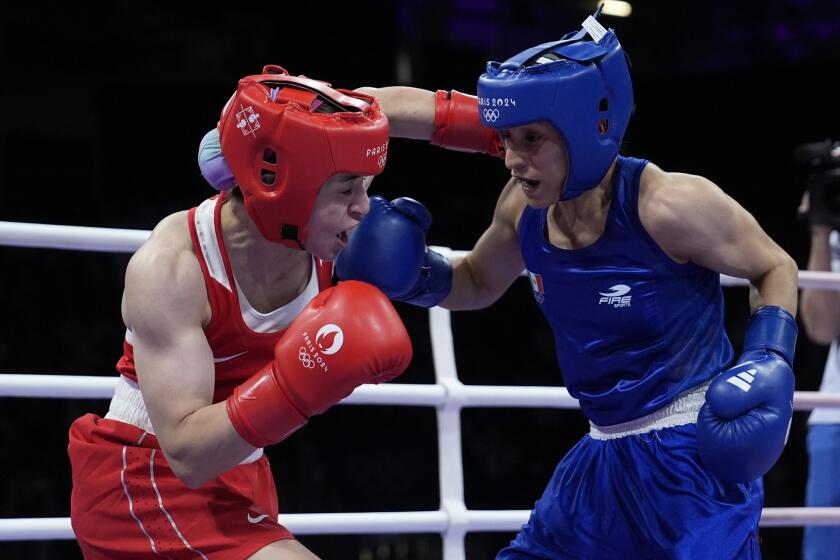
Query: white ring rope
[395,394]
[111,240]
[448,395]
[402,522]
[80,238]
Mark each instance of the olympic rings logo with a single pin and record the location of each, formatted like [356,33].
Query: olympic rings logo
[380,161]
[305,358]
[491,115]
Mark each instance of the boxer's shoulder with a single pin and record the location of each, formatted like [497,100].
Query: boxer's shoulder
[169,237]
[165,268]
[675,207]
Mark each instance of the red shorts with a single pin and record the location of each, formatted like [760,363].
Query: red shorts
[127,503]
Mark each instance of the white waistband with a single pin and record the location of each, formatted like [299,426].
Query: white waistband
[682,410]
[127,406]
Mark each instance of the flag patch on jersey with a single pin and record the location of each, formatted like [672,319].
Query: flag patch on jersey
[537,286]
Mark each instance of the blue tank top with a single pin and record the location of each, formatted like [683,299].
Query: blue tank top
[632,328]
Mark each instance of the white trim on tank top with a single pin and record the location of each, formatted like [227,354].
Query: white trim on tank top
[273,321]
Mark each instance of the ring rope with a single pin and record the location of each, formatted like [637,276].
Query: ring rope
[448,395]
[113,240]
[58,528]
[476,396]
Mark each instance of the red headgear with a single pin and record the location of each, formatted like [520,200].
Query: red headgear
[282,149]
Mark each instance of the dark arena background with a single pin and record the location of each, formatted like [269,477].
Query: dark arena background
[102,111]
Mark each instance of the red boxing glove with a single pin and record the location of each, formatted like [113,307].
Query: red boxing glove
[457,126]
[346,336]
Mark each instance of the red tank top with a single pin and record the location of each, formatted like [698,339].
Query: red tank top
[238,350]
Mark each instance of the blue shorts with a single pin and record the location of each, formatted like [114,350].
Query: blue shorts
[638,497]
[823,489]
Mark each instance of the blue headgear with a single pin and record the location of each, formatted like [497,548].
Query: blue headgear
[575,84]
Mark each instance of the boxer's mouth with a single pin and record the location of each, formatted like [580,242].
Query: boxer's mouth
[528,185]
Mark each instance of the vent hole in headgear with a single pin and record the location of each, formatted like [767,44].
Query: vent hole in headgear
[544,58]
[320,104]
[603,124]
[267,177]
[269,156]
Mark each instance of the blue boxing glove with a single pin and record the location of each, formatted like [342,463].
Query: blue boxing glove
[388,249]
[744,424]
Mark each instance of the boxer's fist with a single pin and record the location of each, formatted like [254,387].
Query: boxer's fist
[743,426]
[346,336]
[458,127]
[388,249]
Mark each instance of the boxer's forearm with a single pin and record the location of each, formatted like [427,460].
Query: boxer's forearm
[203,445]
[410,111]
[776,287]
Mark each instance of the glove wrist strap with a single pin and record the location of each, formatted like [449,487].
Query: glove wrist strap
[773,328]
[434,283]
[260,411]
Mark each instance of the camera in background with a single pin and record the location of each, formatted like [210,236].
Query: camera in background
[823,181]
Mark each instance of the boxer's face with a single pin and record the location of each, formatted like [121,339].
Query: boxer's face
[536,157]
[341,204]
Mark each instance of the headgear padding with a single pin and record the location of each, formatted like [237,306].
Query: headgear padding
[581,85]
[281,146]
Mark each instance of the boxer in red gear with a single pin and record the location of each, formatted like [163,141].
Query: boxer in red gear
[234,336]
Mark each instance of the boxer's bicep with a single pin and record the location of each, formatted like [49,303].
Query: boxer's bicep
[174,363]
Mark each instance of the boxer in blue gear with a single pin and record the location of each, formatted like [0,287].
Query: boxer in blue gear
[625,261]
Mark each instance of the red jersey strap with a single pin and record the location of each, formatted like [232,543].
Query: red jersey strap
[324,270]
